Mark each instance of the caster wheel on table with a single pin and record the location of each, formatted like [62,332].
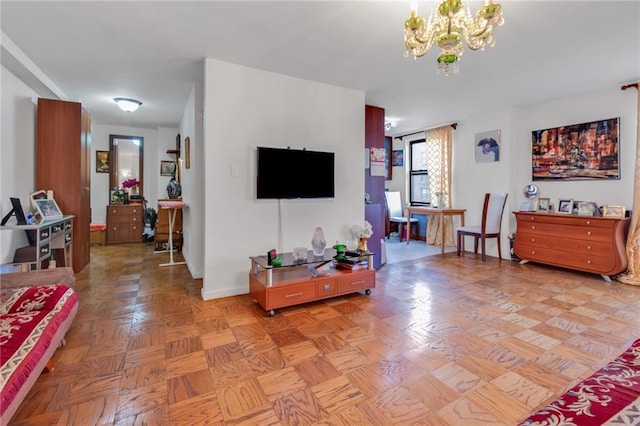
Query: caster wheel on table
[367,291]
[271,312]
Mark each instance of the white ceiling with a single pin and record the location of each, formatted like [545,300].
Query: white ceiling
[153,50]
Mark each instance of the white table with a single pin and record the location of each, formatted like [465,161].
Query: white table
[172,207]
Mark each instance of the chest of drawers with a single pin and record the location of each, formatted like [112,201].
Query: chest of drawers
[124,223]
[585,243]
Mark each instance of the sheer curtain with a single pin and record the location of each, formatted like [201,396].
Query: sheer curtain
[438,142]
[632,276]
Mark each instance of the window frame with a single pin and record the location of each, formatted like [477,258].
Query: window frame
[412,173]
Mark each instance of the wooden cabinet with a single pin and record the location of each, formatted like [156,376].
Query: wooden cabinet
[584,243]
[124,223]
[63,164]
[293,283]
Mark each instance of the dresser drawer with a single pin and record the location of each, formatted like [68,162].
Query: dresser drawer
[584,246]
[291,294]
[355,281]
[583,262]
[567,231]
[44,233]
[44,250]
[565,220]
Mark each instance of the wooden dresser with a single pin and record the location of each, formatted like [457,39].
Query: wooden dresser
[585,243]
[124,223]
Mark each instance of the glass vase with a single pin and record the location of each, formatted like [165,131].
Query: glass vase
[318,243]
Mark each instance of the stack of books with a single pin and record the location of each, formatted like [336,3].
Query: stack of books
[352,262]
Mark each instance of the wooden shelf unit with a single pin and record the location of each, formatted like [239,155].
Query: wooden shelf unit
[52,238]
[584,243]
[291,285]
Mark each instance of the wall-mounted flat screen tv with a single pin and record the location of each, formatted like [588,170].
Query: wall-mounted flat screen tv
[294,173]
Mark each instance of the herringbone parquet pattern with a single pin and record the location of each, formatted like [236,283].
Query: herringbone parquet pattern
[441,340]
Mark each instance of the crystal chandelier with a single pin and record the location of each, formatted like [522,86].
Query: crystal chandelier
[446,28]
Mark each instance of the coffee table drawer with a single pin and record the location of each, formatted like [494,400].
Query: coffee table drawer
[291,294]
[349,283]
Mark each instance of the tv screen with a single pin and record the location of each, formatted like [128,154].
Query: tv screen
[294,173]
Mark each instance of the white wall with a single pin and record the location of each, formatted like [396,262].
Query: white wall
[17,154]
[192,188]
[246,108]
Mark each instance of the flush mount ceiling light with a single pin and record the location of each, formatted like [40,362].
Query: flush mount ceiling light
[446,28]
[127,105]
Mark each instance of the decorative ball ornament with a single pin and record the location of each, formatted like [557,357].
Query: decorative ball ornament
[530,191]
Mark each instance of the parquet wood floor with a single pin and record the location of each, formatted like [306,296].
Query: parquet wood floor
[444,340]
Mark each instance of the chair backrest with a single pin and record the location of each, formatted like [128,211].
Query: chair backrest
[492,212]
[394,203]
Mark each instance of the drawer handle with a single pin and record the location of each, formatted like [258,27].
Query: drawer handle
[357,282]
[327,287]
[588,247]
[588,222]
[588,232]
[45,234]
[533,240]
[533,227]
[588,262]
[533,252]
[135,218]
[294,294]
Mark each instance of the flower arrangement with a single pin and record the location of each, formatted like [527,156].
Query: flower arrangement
[130,183]
[362,231]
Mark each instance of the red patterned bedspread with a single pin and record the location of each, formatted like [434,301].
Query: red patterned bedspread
[33,322]
[611,396]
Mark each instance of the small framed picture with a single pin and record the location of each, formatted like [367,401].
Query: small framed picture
[613,211]
[167,168]
[543,205]
[586,208]
[102,161]
[565,206]
[487,146]
[47,208]
[116,196]
[525,206]
[398,159]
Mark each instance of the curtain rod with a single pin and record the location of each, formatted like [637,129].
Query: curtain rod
[454,125]
[628,86]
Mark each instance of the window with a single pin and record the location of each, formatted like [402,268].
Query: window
[419,193]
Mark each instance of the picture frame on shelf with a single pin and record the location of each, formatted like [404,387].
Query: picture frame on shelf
[586,208]
[565,206]
[102,162]
[525,206]
[543,205]
[613,211]
[116,196]
[167,168]
[47,208]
